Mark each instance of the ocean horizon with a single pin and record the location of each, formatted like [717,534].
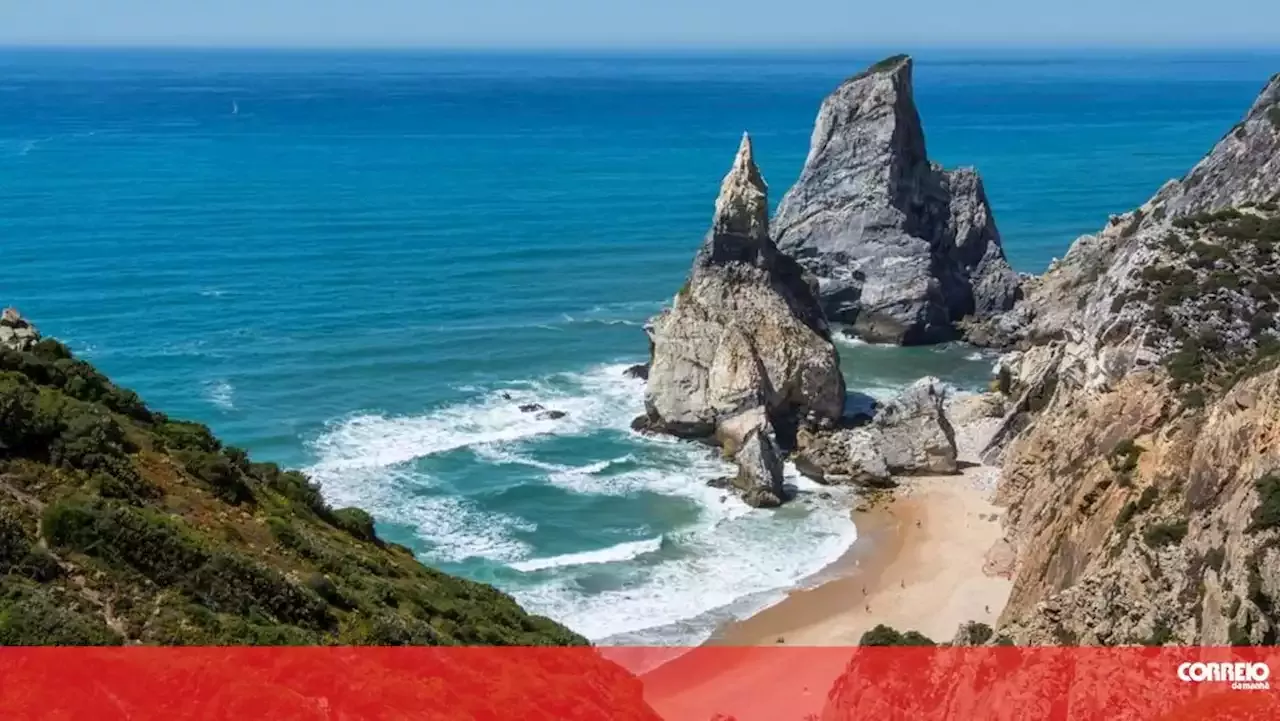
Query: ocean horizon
[362,263]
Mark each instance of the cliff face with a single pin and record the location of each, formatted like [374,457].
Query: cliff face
[1142,458]
[744,354]
[901,248]
[121,525]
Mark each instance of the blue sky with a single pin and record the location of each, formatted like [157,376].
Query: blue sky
[643,23]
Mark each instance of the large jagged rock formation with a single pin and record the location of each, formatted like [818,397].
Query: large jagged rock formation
[1141,456]
[902,249]
[743,355]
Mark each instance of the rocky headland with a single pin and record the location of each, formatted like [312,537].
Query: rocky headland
[1141,456]
[902,249]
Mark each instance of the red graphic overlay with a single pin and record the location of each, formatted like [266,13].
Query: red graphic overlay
[746,684]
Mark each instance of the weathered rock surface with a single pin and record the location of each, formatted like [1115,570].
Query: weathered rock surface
[15,332]
[744,345]
[902,249]
[910,435]
[1141,451]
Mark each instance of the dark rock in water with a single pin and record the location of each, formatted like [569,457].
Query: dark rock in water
[824,496]
[646,425]
[720,483]
[551,415]
[902,249]
[639,370]
[530,407]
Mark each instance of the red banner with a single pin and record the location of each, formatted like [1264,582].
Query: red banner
[768,684]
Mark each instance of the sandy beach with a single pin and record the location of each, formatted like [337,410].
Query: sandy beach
[918,564]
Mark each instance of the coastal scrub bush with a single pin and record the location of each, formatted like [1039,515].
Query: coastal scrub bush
[1161,633]
[1124,456]
[883,635]
[13,540]
[1127,512]
[978,633]
[356,522]
[215,469]
[1147,499]
[1164,534]
[31,616]
[122,536]
[1215,558]
[1267,514]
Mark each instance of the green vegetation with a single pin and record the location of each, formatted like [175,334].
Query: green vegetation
[978,633]
[1213,300]
[1215,558]
[1164,534]
[1142,505]
[1065,636]
[1267,514]
[1161,633]
[121,525]
[1273,114]
[1124,456]
[887,64]
[883,635]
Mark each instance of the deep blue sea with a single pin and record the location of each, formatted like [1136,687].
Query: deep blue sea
[343,261]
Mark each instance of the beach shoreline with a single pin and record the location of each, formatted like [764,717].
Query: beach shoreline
[926,559]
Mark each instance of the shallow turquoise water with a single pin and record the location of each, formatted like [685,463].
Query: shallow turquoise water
[343,261]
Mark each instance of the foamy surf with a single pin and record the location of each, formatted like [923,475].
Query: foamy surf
[613,554]
[674,586]
[221,394]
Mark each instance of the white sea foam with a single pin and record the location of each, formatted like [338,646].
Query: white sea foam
[221,394]
[728,553]
[613,554]
[846,337]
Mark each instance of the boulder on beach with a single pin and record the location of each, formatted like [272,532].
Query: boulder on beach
[909,435]
[744,354]
[902,249]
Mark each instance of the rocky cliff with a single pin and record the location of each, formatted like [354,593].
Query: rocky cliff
[1141,461]
[902,249]
[743,355]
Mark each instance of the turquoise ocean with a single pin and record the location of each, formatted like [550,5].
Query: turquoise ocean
[362,263]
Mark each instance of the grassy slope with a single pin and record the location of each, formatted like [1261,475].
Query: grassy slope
[121,525]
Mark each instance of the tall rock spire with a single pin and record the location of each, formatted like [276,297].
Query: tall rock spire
[744,355]
[742,207]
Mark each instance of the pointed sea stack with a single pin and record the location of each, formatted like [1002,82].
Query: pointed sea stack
[743,355]
[902,249]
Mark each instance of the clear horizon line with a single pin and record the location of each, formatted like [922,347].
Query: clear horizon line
[798,49]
